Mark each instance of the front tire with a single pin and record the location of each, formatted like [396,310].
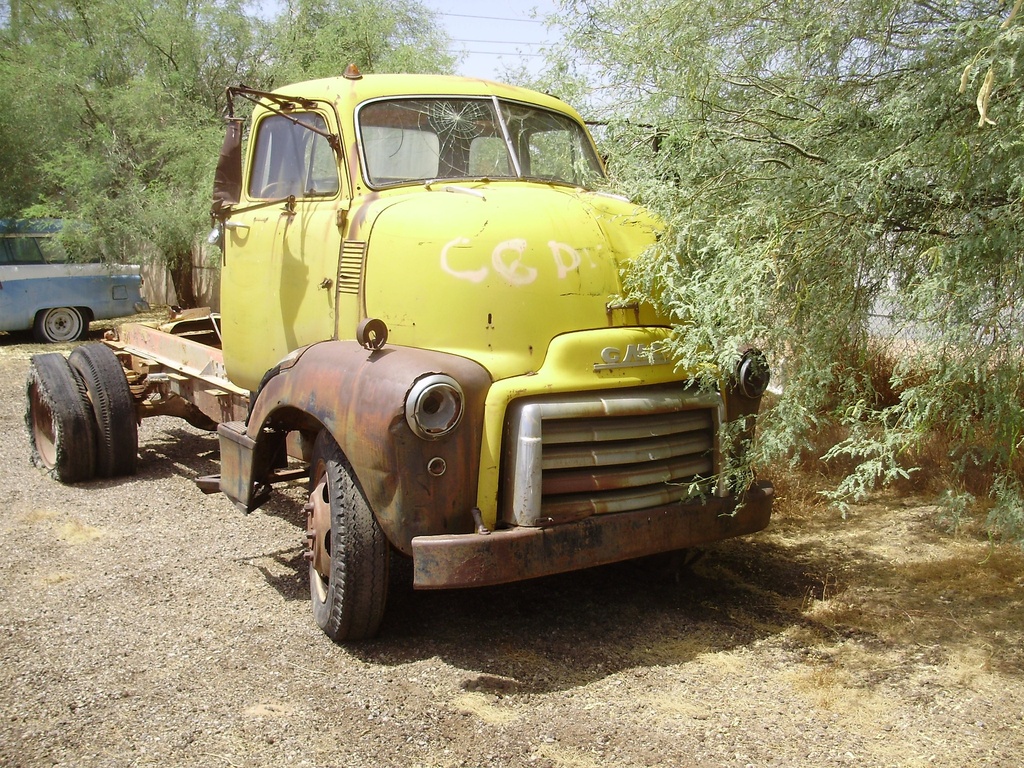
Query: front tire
[60,325]
[348,553]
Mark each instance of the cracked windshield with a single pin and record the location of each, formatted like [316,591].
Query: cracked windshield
[420,140]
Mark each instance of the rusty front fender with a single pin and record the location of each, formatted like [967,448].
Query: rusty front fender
[359,396]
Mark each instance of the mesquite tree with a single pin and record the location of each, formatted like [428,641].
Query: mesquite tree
[841,184]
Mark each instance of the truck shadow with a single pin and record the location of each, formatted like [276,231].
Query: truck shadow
[828,591]
[806,585]
[569,630]
[170,448]
[562,631]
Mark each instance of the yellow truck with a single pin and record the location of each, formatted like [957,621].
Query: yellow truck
[422,316]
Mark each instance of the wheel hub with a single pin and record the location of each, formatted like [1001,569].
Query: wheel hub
[318,530]
[42,429]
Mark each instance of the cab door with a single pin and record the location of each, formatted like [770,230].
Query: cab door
[282,244]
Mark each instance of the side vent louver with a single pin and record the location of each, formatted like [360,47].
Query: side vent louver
[350,267]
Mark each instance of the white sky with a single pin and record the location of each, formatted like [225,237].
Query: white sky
[495,36]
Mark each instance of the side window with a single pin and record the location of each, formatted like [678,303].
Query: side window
[53,251]
[290,159]
[24,250]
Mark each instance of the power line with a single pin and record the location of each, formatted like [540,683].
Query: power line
[500,42]
[503,53]
[494,18]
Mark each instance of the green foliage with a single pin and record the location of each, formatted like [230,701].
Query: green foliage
[819,165]
[127,97]
[319,38]
[117,103]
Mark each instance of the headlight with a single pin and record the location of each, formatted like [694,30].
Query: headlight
[753,373]
[434,406]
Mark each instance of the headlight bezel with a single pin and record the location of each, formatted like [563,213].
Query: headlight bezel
[435,406]
[753,374]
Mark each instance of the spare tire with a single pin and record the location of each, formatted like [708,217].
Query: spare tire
[59,418]
[117,432]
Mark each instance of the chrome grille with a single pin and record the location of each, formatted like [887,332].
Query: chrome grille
[571,456]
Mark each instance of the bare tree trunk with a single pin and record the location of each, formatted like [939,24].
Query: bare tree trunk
[180,268]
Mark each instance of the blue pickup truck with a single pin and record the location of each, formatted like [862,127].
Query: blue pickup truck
[42,290]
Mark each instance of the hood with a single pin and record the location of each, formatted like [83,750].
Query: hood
[493,272]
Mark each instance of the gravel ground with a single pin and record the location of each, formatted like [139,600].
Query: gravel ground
[143,623]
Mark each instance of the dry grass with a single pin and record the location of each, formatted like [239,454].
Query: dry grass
[483,707]
[77,532]
[898,590]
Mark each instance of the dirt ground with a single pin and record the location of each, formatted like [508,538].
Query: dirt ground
[143,624]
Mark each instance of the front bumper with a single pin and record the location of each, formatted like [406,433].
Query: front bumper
[476,560]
